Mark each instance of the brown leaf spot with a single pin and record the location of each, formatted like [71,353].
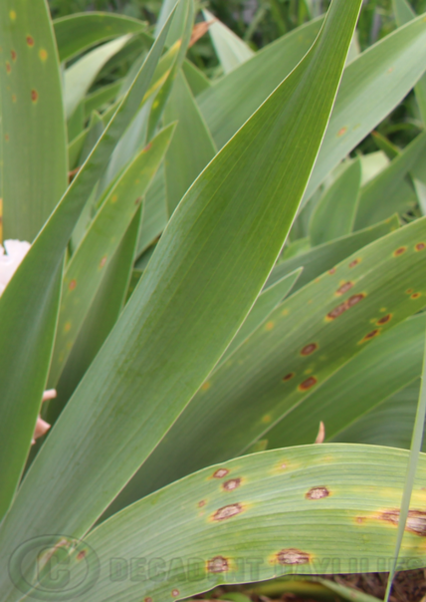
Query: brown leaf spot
[201,503]
[385,319]
[13,55]
[317,493]
[332,271]
[231,484]
[409,291]
[344,288]
[175,592]
[34,95]
[269,326]
[227,512]
[220,473]
[103,261]
[416,295]
[218,564]
[147,147]
[342,131]
[309,349]
[81,555]
[371,335]
[288,376]
[420,246]
[138,200]
[354,263]
[30,41]
[13,97]
[72,285]
[293,556]
[337,311]
[8,67]
[6,137]
[416,520]
[308,383]
[147,599]
[399,251]
[355,299]
[206,386]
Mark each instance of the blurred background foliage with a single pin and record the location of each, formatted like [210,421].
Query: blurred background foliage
[260,22]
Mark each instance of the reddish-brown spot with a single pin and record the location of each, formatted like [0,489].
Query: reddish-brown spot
[371,335]
[317,493]
[138,200]
[8,67]
[415,295]
[175,592]
[355,299]
[385,319]
[201,503]
[34,95]
[218,564]
[147,599]
[308,383]
[399,251]
[332,271]
[344,288]
[342,131]
[6,137]
[103,261]
[293,556]
[147,147]
[309,349]
[337,311]
[231,484]
[420,246]
[220,473]
[81,555]
[288,376]
[72,285]
[30,41]
[354,263]
[409,291]
[416,520]
[13,55]
[227,512]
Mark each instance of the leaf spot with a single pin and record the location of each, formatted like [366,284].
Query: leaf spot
[308,383]
[12,15]
[218,564]
[385,319]
[81,555]
[371,335]
[34,95]
[227,512]
[354,262]
[201,503]
[8,67]
[416,295]
[309,349]
[206,386]
[340,309]
[344,288]
[399,251]
[317,493]
[13,55]
[175,593]
[269,326]
[220,473]
[293,556]
[342,132]
[332,271]
[30,41]
[416,520]
[231,484]
[67,327]
[72,285]
[288,376]
[103,261]
[42,54]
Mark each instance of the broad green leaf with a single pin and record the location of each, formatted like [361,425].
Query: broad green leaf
[372,164]
[34,170]
[95,130]
[324,257]
[390,191]
[78,32]
[291,356]
[100,319]
[229,103]
[97,100]
[155,214]
[372,86]
[85,271]
[404,14]
[192,146]
[139,382]
[383,368]
[28,306]
[266,302]
[334,215]
[390,423]
[75,122]
[196,79]
[230,49]
[80,76]
[315,509]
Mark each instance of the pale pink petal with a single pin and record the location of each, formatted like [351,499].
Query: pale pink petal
[49,394]
[41,429]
